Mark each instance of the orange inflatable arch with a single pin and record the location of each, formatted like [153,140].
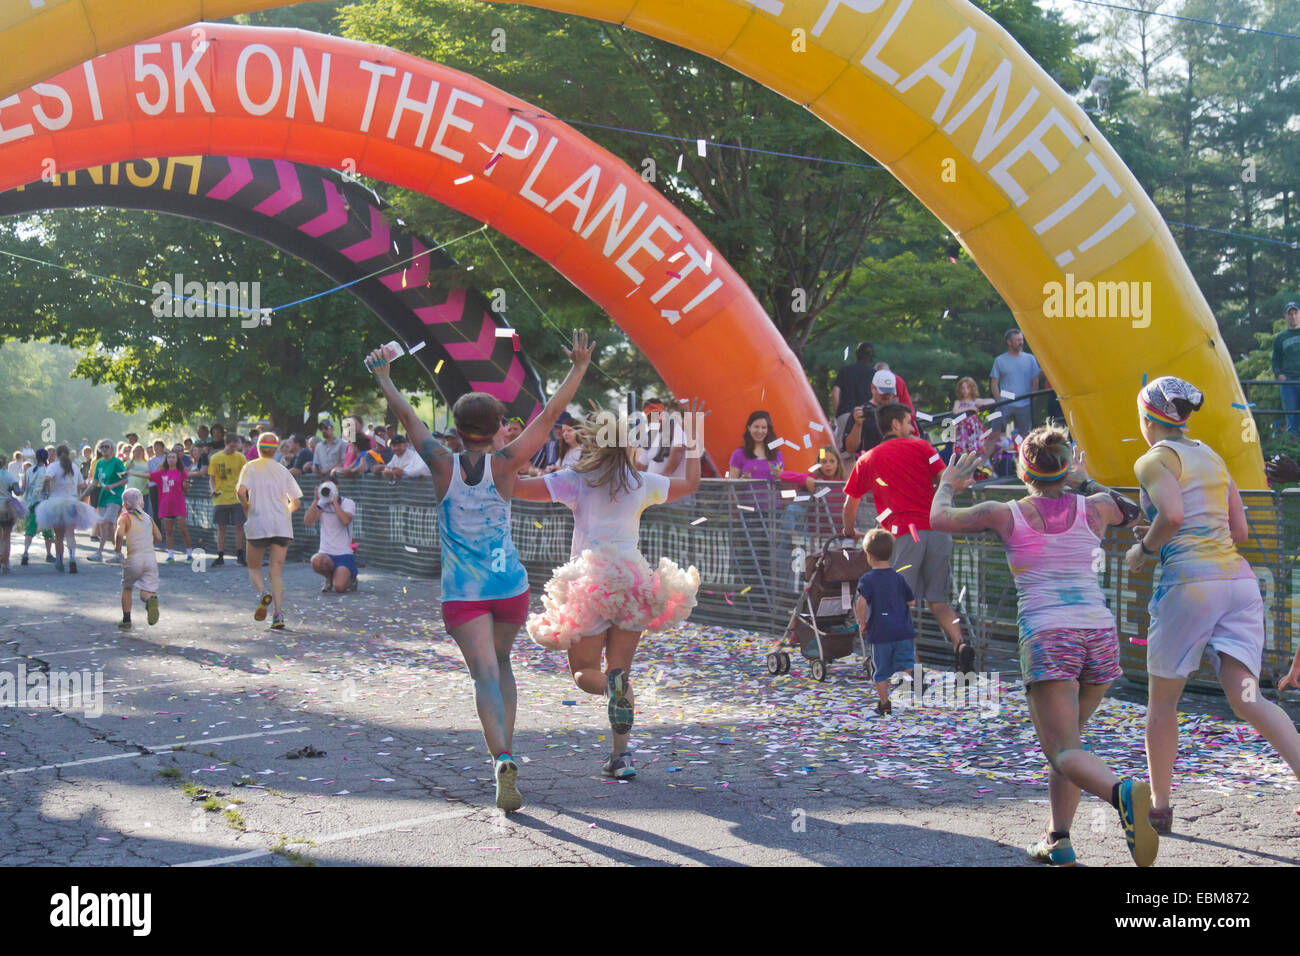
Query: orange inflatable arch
[327,101]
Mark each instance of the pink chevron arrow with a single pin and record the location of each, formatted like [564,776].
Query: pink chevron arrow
[240,175]
[332,218]
[290,191]
[416,271]
[379,242]
[449,311]
[504,391]
[480,348]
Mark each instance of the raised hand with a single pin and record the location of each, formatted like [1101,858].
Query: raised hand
[1078,472]
[960,473]
[581,352]
[378,363]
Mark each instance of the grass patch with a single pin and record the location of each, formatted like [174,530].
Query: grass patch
[171,773]
[293,856]
[191,789]
[235,819]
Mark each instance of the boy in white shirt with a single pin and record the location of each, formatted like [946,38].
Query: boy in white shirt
[335,560]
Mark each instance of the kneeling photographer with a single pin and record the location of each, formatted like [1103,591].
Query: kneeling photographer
[335,561]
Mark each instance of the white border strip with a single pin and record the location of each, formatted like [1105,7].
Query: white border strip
[155,750]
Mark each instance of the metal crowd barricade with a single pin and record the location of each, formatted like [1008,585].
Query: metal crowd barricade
[752,539]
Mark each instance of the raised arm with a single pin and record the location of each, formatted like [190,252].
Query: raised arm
[437,457]
[681,487]
[986,516]
[519,452]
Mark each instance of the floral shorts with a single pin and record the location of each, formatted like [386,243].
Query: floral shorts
[1088,655]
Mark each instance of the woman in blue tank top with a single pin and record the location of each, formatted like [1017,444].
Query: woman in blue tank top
[1206,600]
[484,585]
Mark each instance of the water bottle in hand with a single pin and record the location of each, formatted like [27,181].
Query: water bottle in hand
[390,351]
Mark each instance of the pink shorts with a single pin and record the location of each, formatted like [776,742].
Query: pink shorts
[1088,655]
[511,610]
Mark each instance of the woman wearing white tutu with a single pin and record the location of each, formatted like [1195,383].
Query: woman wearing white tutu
[63,512]
[607,594]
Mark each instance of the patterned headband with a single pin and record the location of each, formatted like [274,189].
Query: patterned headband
[1157,400]
[1035,473]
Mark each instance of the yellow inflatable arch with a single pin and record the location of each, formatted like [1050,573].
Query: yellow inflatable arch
[940,94]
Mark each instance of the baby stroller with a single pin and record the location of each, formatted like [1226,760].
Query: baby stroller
[823,624]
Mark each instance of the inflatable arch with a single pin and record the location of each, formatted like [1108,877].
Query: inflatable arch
[946,99]
[302,97]
[335,225]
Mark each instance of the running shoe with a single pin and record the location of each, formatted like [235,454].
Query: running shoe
[507,776]
[1134,805]
[241,560]
[49,559]
[1162,821]
[884,708]
[1059,853]
[114,558]
[621,767]
[151,606]
[277,622]
[94,557]
[619,707]
[327,588]
[124,625]
[58,566]
[965,656]
[72,567]
[24,561]
[219,563]
[262,604]
[171,558]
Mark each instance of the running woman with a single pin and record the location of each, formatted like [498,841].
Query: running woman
[1069,648]
[109,475]
[171,480]
[270,496]
[63,512]
[34,492]
[607,595]
[484,585]
[1206,594]
[137,531]
[12,509]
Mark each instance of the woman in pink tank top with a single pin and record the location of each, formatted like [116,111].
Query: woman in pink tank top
[1069,650]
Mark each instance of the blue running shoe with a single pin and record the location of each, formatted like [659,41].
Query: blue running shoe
[1134,805]
[1059,853]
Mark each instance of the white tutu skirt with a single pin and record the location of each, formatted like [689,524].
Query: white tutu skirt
[62,512]
[12,509]
[611,587]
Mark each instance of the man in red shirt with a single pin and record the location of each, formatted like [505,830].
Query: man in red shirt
[900,474]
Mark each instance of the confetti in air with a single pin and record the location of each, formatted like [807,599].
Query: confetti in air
[438,368]
[671,315]
[468,177]
[416,347]
[815,427]
[701,148]
[699,521]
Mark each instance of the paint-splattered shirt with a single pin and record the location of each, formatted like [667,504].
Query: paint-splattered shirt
[479,560]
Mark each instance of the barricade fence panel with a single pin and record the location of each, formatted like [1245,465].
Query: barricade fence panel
[749,541]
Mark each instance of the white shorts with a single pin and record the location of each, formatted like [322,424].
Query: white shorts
[1228,616]
[140,570]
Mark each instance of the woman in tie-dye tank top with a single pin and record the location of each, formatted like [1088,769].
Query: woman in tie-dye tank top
[1069,650]
[484,584]
[1205,595]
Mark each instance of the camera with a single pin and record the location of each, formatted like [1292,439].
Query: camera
[328,491]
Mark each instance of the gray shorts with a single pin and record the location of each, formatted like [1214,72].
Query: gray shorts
[227,515]
[140,570]
[925,566]
[108,513]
